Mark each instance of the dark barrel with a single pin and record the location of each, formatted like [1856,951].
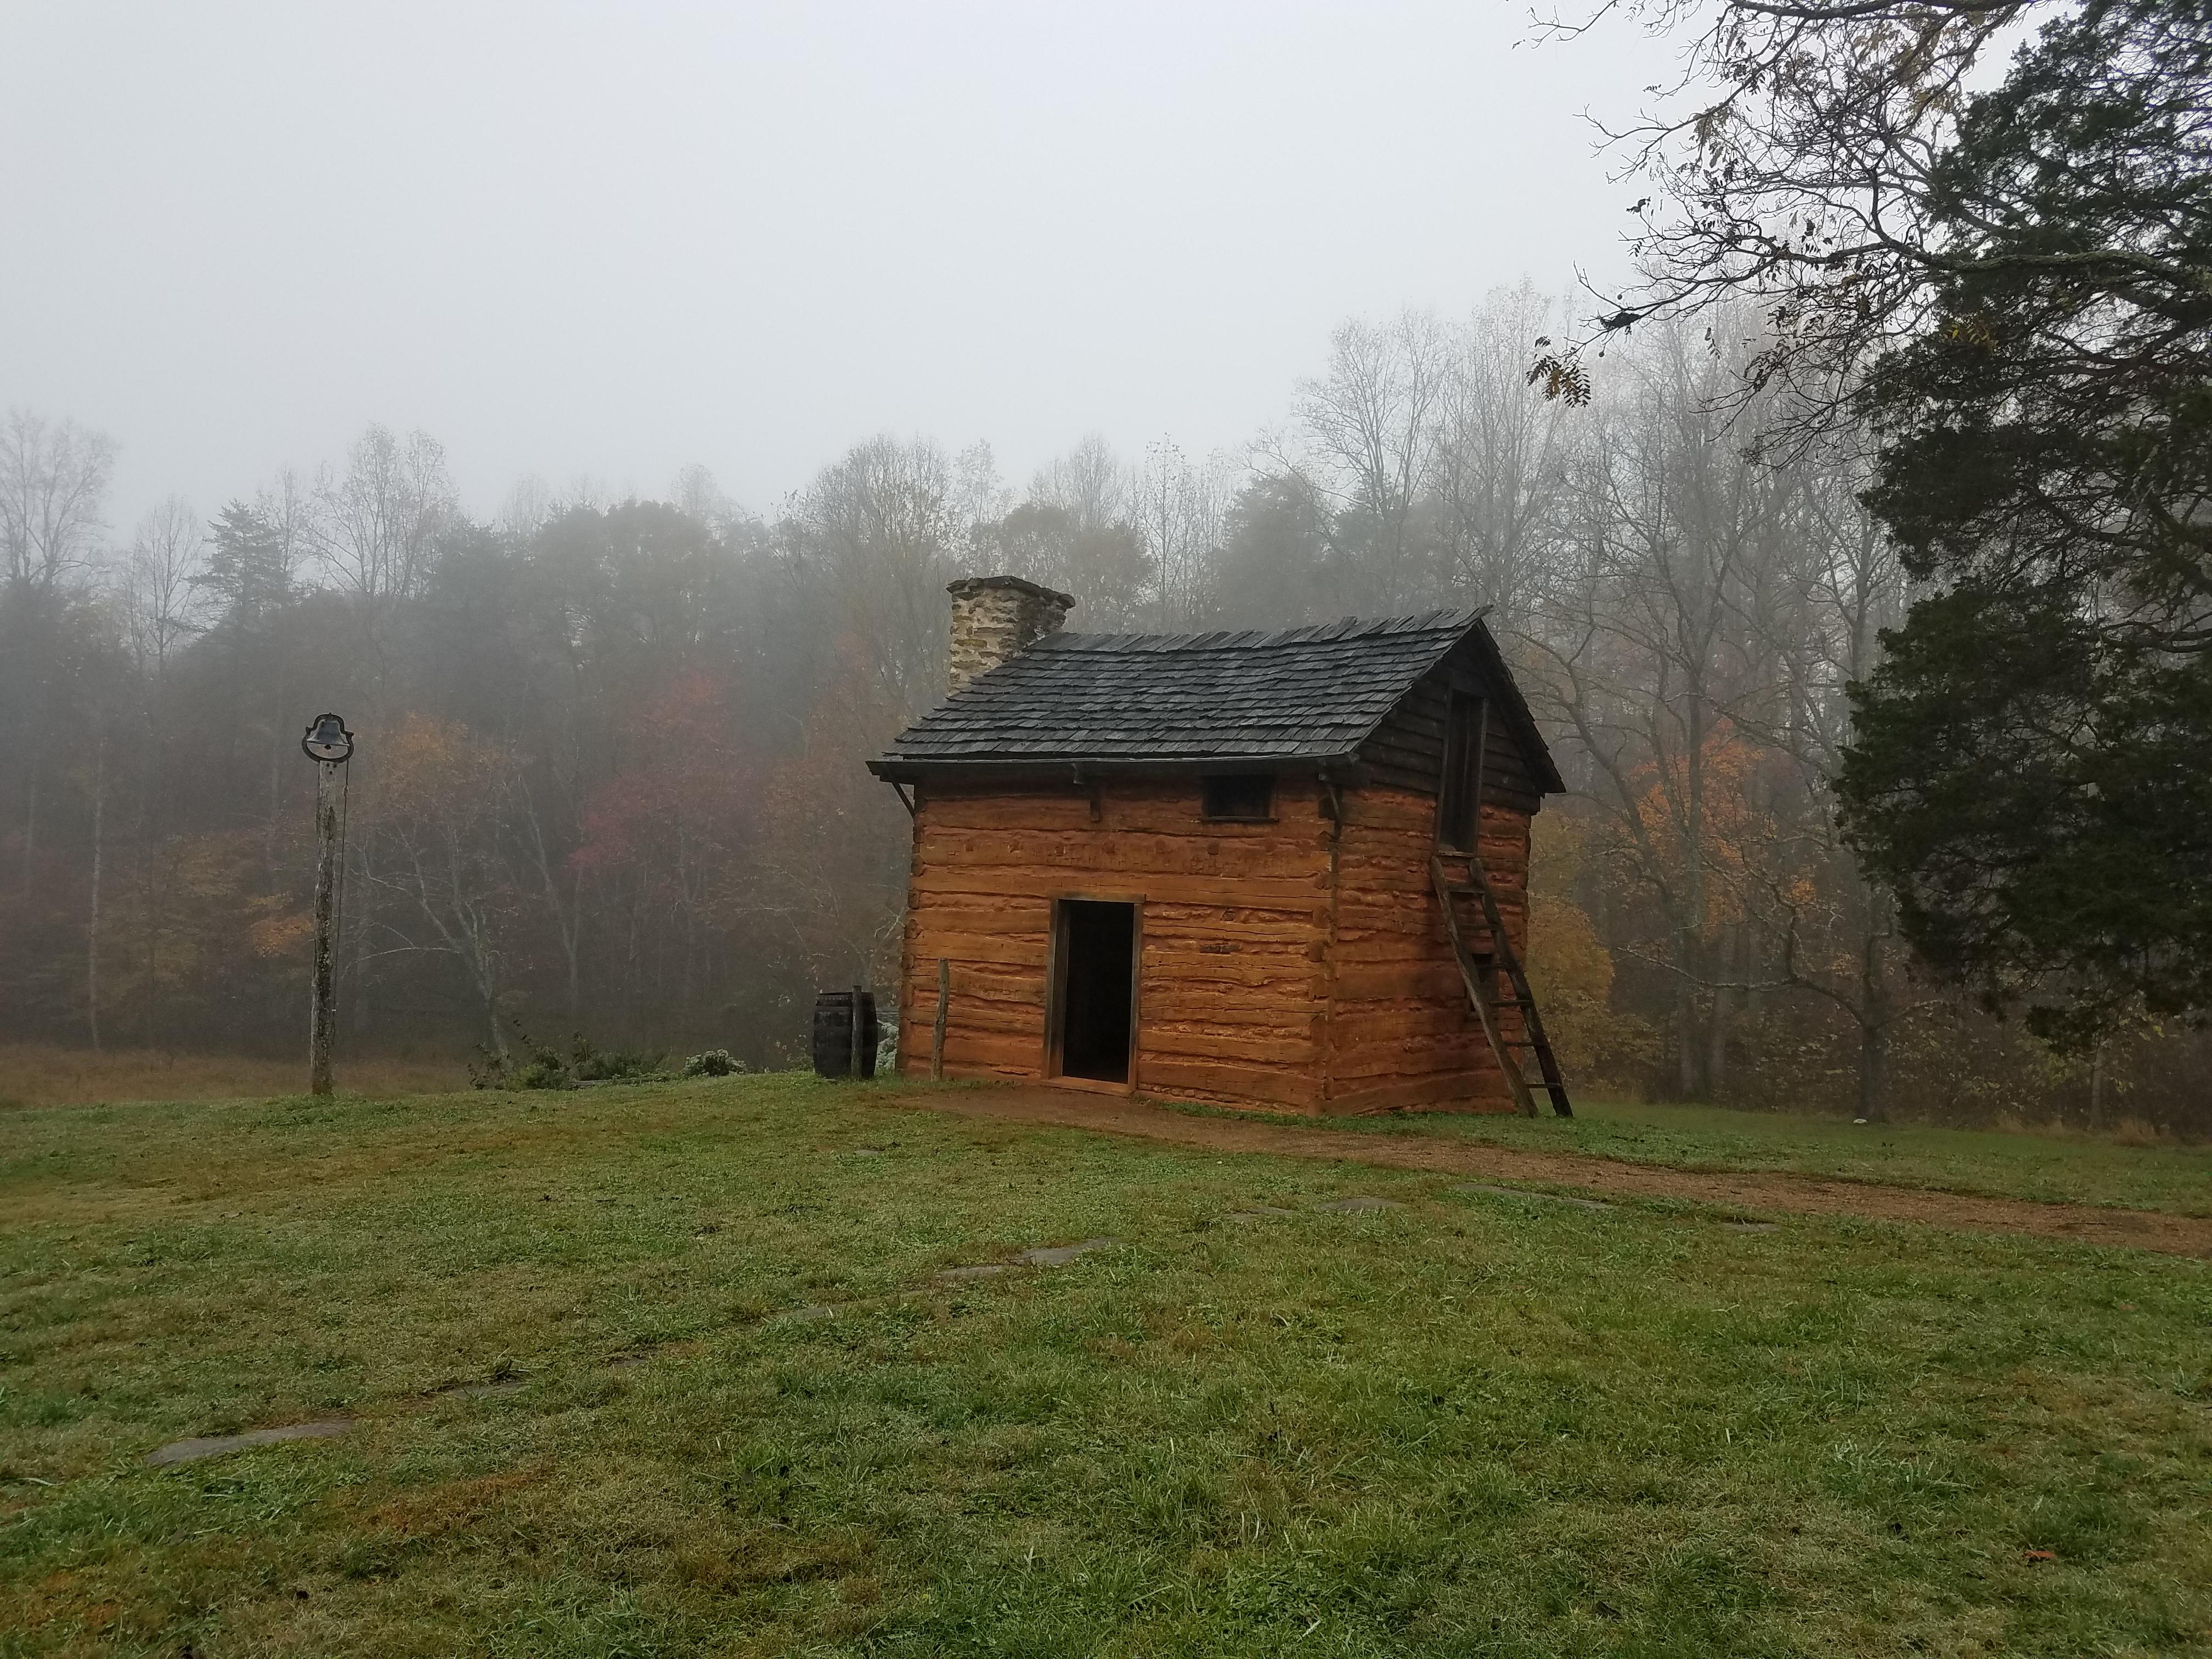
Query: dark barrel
[835,1051]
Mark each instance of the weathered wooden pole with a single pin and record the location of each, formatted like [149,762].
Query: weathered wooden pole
[329,744]
[937,1031]
[322,1018]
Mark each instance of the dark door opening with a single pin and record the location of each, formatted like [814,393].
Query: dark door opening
[1098,968]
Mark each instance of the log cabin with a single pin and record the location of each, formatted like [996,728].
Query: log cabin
[1286,870]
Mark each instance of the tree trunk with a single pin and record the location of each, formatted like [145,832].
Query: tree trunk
[1685,1019]
[92,931]
[1717,1030]
[1873,1028]
[1873,1070]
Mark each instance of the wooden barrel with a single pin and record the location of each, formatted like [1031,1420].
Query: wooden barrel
[836,1052]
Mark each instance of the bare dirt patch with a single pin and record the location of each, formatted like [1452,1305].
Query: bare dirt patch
[2081,1224]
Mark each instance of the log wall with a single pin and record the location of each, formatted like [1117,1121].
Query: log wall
[1294,964]
[1399,1033]
[1231,997]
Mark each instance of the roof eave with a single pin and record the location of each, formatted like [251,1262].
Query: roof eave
[902,769]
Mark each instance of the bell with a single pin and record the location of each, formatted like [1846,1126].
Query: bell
[327,740]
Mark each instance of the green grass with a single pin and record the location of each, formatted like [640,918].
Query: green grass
[1471,1426]
[2047,1167]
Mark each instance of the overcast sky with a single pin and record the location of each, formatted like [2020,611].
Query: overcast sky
[613,240]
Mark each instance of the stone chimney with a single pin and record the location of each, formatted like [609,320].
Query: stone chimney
[995,618]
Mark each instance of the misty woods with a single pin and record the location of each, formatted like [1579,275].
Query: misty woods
[609,775]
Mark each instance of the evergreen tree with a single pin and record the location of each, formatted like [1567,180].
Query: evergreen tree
[2033,766]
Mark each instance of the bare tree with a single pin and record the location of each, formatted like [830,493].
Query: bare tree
[159,600]
[1089,484]
[376,524]
[1180,510]
[1636,645]
[1499,466]
[1365,434]
[53,490]
[1791,162]
[882,527]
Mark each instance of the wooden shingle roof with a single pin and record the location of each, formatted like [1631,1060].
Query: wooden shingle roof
[1299,695]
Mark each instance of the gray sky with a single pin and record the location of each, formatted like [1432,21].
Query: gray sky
[612,240]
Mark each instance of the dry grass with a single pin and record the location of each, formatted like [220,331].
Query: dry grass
[41,1075]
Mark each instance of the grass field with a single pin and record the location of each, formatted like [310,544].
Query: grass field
[2046,1166]
[47,1074]
[740,1413]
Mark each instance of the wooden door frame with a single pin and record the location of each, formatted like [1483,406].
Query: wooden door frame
[1055,999]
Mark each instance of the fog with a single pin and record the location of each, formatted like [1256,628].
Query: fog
[606,242]
[592,407]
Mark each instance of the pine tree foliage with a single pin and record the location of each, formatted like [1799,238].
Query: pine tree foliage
[2033,764]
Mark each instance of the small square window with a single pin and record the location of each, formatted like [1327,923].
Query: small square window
[1247,795]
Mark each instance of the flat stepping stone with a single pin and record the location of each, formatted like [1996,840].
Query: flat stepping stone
[1748,1226]
[984,1270]
[1361,1202]
[1259,1213]
[215,1445]
[1523,1192]
[1059,1256]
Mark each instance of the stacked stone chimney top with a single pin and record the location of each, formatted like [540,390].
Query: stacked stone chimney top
[996,617]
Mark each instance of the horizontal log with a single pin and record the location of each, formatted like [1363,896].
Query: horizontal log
[1240,891]
[1171,1007]
[1027,951]
[1009,916]
[1300,979]
[1301,933]
[1366,948]
[972,1017]
[1213,1043]
[1354,1023]
[1117,816]
[1479,1094]
[1375,1067]
[1010,1055]
[1173,1076]
[1121,854]
[1437,982]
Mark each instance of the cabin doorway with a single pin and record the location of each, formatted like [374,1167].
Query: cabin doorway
[1094,988]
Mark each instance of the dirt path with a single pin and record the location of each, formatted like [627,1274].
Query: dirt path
[2082,1223]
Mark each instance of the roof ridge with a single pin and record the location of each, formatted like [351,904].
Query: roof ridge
[1445,619]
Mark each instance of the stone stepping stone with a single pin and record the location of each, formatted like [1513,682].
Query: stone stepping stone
[1343,1205]
[1748,1226]
[1059,1256]
[215,1445]
[1259,1213]
[1523,1192]
[956,1275]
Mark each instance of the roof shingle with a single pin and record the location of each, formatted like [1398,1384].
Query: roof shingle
[1302,694]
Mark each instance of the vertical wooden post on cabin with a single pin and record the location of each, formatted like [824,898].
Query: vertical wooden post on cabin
[322,1019]
[853,1039]
[937,1031]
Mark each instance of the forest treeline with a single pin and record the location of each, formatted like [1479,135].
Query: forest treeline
[609,775]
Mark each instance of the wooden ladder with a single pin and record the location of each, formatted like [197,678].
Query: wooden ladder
[1472,970]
